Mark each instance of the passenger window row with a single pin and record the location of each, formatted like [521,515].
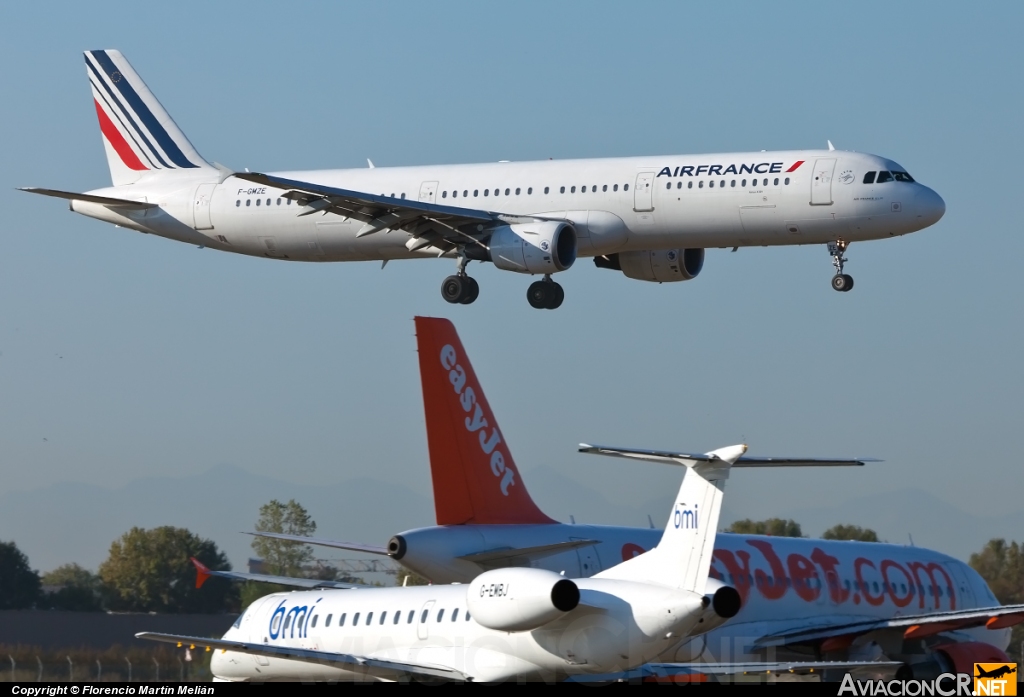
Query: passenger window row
[529,191]
[732,183]
[259,201]
[382,618]
[883,177]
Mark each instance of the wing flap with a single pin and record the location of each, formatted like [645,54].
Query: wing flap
[370,666]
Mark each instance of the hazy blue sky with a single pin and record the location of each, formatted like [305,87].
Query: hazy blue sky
[124,356]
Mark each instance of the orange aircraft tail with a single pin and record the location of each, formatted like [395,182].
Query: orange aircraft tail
[475,479]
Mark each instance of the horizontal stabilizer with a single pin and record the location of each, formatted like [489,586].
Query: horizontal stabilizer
[353,546]
[369,666]
[203,573]
[538,552]
[674,458]
[102,200]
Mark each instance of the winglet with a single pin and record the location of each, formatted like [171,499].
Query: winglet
[202,572]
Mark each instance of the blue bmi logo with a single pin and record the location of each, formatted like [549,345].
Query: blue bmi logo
[685,518]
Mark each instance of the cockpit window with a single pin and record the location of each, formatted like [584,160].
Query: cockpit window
[902,177]
[238,622]
[883,177]
[869,178]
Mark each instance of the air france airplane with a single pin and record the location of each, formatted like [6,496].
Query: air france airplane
[800,598]
[651,218]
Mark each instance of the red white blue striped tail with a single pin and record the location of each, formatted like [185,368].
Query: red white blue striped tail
[138,134]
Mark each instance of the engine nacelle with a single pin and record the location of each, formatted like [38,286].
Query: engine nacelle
[547,246]
[518,599]
[659,266]
[722,602]
[958,657]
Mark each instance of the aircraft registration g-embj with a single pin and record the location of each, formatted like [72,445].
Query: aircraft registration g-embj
[772,599]
[649,217]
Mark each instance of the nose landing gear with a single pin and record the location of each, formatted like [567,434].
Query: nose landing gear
[841,281]
[545,295]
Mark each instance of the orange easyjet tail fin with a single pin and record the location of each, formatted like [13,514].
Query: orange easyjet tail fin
[475,479]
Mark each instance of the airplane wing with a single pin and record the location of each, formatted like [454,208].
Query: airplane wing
[912,626]
[698,672]
[203,573]
[102,200]
[430,224]
[538,552]
[674,458]
[353,546]
[389,670]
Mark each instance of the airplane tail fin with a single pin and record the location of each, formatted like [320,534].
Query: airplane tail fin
[475,479]
[139,136]
[682,559]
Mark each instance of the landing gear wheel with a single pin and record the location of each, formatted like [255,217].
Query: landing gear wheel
[453,289]
[545,295]
[460,289]
[841,281]
[470,290]
[540,294]
[558,297]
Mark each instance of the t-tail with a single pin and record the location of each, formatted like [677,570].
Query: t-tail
[475,478]
[682,559]
[139,136]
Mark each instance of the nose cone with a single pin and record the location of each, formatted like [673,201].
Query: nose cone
[929,207]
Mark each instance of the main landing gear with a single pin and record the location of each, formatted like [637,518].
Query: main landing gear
[460,289]
[841,281]
[545,295]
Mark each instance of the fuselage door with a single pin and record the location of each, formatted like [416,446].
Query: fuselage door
[589,564]
[201,207]
[423,618]
[821,182]
[643,192]
[428,192]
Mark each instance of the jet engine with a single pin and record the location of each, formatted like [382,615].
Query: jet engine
[519,599]
[546,246]
[658,266]
[721,602]
[958,657]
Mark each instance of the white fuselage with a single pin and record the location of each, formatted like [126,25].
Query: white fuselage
[616,204]
[619,625]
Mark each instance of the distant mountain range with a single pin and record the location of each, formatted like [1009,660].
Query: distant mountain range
[76,522]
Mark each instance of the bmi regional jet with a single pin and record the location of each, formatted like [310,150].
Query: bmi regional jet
[773,602]
[651,218]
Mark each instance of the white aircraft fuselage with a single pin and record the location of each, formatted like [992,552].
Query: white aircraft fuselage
[617,204]
[431,625]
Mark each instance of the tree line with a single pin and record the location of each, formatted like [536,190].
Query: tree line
[151,571]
